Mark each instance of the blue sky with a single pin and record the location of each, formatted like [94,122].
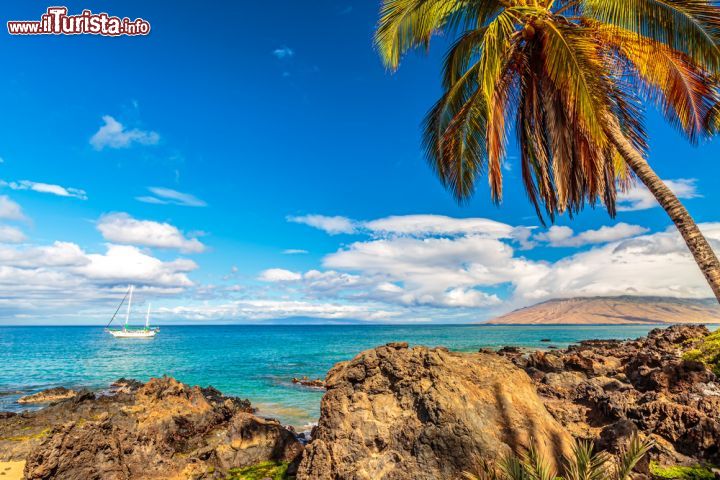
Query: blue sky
[208,161]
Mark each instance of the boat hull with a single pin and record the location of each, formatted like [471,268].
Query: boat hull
[132,334]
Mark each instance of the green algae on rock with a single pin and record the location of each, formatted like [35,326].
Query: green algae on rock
[262,471]
[678,472]
[707,351]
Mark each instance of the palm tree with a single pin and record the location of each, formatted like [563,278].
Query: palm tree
[571,75]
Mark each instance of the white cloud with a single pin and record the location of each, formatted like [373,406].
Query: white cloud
[331,225]
[127,264]
[59,254]
[122,228]
[60,279]
[167,196]
[426,225]
[278,275]
[9,210]
[52,189]
[330,282]
[640,198]
[273,309]
[442,263]
[657,264]
[10,234]
[416,226]
[430,271]
[114,134]
[559,236]
[294,251]
[410,268]
[283,52]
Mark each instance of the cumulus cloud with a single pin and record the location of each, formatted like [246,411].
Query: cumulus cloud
[640,198]
[396,269]
[128,264]
[10,234]
[426,225]
[122,228]
[267,309]
[50,188]
[560,236]
[332,225]
[9,210]
[168,196]
[62,278]
[445,264]
[415,226]
[283,52]
[657,264]
[113,134]
[294,251]
[59,254]
[430,271]
[278,275]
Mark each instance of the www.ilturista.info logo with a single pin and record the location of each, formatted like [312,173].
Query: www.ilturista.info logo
[57,22]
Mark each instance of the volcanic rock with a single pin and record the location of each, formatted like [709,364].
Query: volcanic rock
[50,395]
[163,429]
[396,413]
[599,388]
[308,382]
[250,440]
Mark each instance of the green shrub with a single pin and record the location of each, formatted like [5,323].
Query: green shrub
[274,470]
[696,472]
[707,352]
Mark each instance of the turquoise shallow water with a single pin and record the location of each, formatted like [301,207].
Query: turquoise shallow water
[254,362]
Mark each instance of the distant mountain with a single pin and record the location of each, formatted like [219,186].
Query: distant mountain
[614,310]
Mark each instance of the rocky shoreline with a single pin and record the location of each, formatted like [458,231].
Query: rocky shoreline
[391,413]
[605,390]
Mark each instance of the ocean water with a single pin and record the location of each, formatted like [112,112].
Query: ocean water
[254,362]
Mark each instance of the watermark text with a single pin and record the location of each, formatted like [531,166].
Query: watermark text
[56,21]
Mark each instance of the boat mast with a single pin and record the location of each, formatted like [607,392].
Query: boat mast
[147,318]
[127,315]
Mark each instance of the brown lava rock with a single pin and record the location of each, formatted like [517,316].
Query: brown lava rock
[395,413]
[161,429]
[597,386]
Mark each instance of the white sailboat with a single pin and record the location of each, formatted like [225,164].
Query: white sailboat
[126,332]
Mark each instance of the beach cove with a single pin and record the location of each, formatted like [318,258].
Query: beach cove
[394,411]
[253,362]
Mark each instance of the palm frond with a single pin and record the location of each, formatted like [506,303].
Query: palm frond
[464,52]
[688,26]
[534,150]
[512,468]
[406,24]
[494,50]
[572,62]
[712,122]
[537,467]
[455,144]
[671,79]
[496,81]
[630,455]
[454,135]
[585,464]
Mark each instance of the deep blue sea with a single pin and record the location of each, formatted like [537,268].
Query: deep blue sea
[254,362]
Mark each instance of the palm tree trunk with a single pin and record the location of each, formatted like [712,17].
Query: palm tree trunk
[696,242]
